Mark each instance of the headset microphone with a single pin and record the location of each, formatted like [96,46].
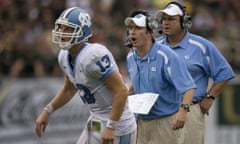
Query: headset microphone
[128,41]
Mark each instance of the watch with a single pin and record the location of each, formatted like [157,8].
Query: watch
[210,96]
[186,107]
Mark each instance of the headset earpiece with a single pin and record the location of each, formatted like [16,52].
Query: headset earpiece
[153,23]
[187,23]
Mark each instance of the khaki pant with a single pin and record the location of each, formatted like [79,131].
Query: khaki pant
[194,126]
[158,131]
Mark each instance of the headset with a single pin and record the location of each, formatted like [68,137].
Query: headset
[185,20]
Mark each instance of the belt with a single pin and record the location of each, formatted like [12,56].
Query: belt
[195,102]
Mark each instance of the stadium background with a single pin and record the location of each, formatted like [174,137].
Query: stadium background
[30,76]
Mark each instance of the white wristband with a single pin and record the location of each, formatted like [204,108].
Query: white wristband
[48,108]
[111,124]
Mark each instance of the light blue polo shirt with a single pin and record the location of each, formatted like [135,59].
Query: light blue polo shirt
[203,61]
[160,71]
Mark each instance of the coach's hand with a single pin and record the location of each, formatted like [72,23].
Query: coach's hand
[179,119]
[41,123]
[205,105]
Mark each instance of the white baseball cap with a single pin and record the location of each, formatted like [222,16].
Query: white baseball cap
[138,20]
[172,10]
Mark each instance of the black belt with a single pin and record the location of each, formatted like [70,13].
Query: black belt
[196,102]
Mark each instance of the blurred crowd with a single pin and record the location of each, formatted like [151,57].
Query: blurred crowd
[26,49]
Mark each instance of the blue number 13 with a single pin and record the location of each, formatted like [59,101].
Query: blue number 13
[104,63]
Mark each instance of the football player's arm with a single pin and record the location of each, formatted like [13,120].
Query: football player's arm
[120,92]
[61,98]
[116,84]
[64,95]
[130,90]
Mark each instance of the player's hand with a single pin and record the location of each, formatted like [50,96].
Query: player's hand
[179,119]
[41,123]
[107,136]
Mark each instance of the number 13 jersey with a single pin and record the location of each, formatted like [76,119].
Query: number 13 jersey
[93,63]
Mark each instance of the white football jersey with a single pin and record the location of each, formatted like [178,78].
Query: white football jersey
[92,65]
